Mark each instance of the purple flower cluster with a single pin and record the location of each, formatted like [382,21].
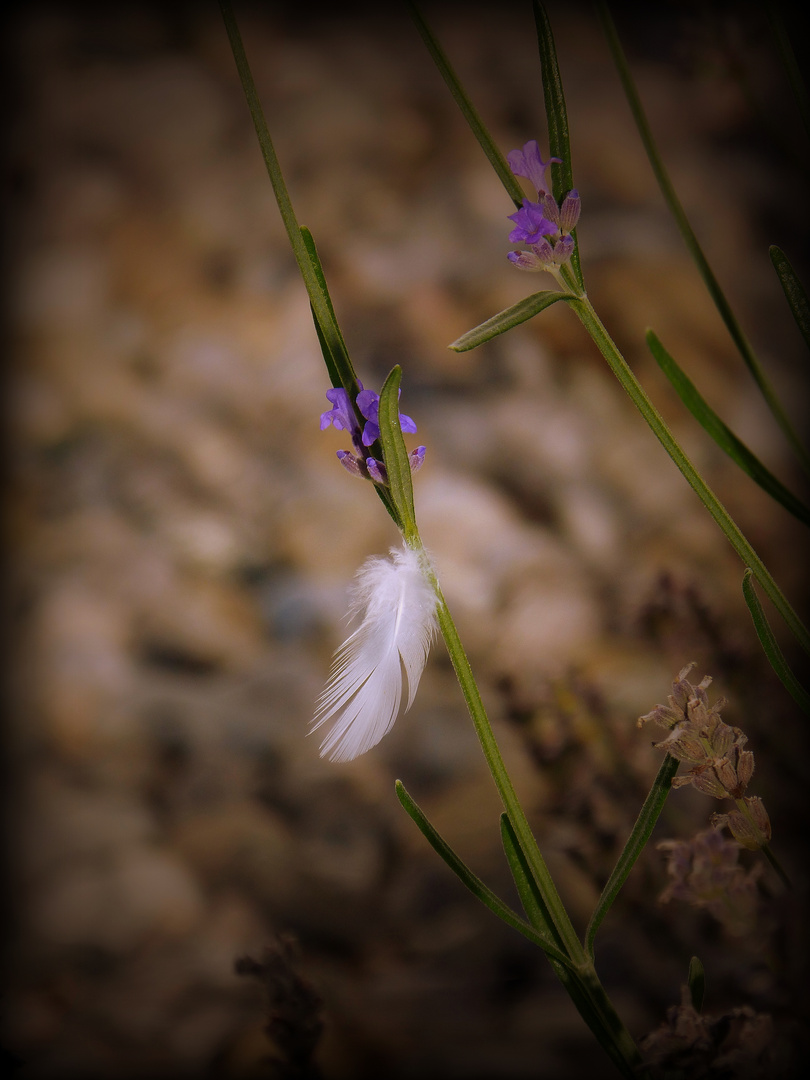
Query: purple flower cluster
[543,225]
[343,417]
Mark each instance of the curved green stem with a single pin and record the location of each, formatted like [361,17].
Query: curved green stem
[621,369]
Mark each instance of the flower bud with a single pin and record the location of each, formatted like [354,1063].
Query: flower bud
[569,212]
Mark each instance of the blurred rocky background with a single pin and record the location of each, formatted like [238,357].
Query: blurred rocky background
[182,537]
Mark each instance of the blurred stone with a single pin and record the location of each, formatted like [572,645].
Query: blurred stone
[117,903]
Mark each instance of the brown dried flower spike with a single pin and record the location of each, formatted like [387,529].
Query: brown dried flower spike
[721,767]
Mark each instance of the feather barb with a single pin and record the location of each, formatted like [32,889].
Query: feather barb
[388,651]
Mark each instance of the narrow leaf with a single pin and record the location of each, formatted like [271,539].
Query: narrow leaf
[530,896]
[723,435]
[559,141]
[697,982]
[473,882]
[690,239]
[485,140]
[508,318]
[770,645]
[590,320]
[540,918]
[323,317]
[642,830]
[395,455]
[794,291]
[326,325]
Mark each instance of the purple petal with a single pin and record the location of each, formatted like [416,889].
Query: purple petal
[530,224]
[371,432]
[369,404]
[341,414]
[528,162]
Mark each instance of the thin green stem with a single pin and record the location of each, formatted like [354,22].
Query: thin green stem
[503,782]
[592,1000]
[321,307]
[767,851]
[620,368]
[690,239]
[636,842]
[770,646]
[460,96]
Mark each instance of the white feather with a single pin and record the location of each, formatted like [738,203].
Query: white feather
[397,606]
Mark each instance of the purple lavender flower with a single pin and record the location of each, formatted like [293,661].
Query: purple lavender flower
[369,405]
[530,224]
[341,414]
[537,221]
[343,417]
[527,162]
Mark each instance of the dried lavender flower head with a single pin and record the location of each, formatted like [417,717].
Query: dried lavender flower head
[739,1043]
[705,872]
[721,766]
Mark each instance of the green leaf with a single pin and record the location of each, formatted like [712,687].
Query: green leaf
[460,96]
[584,310]
[559,142]
[333,347]
[324,316]
[395,455]
[636,842]
[690,239]
[473,882]
[587,1004]
[530,896]
[723,435]
[770,645]
[697,983]
[508,318]
[794,291]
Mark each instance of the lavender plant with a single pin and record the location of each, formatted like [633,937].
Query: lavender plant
[398,602]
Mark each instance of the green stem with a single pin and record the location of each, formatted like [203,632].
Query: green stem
[762,842]
[321,307]
[620,368]
[479,129]
[598,1010]
[483,728]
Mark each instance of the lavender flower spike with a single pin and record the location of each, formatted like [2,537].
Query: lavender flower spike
[344,418]
[527,162]
[530,224]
